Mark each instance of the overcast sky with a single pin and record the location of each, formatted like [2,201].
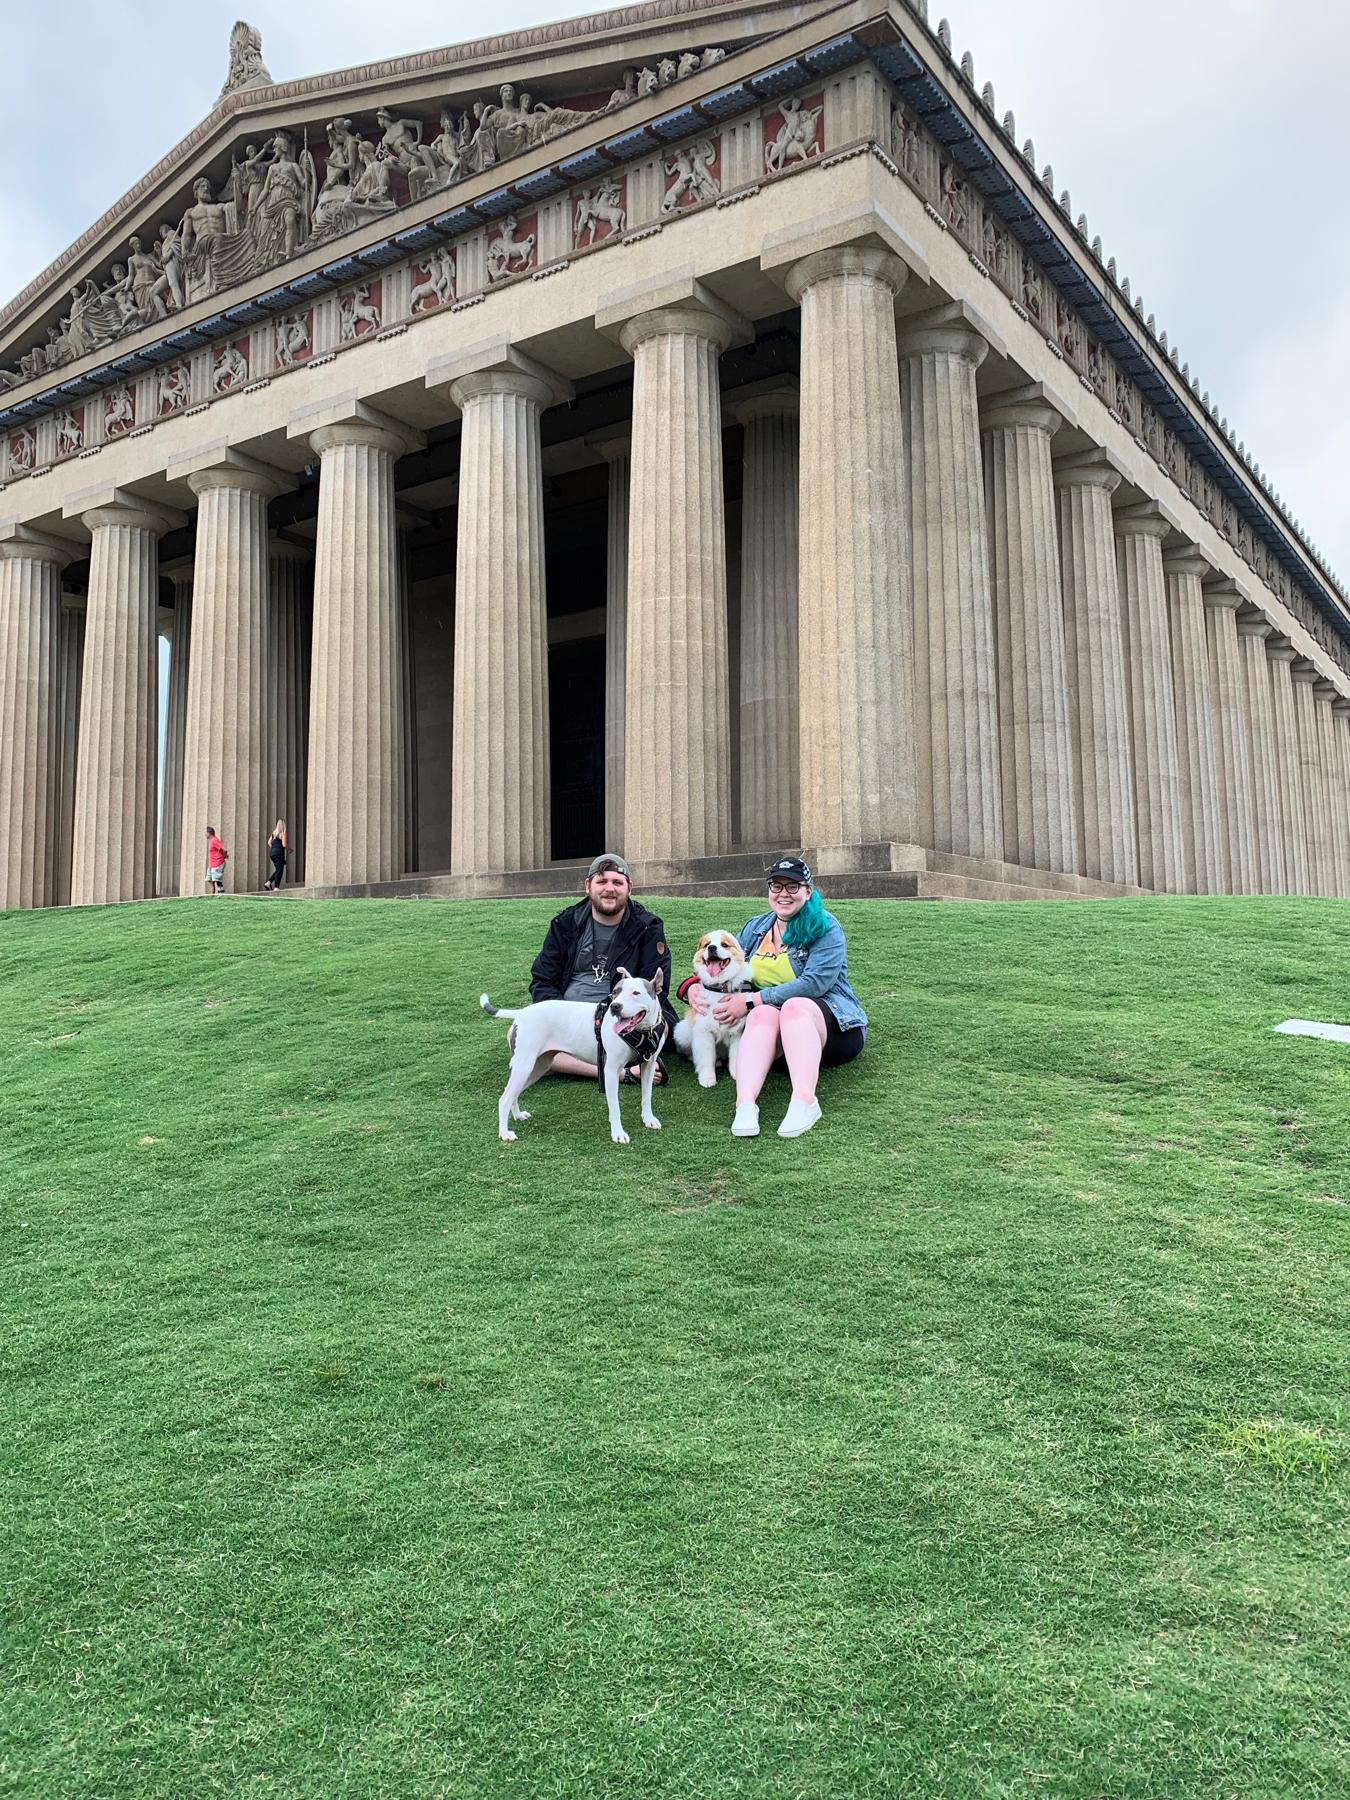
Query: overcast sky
[1203,138]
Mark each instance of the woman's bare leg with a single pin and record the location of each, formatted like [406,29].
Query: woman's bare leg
[758,1047]
[803,1033]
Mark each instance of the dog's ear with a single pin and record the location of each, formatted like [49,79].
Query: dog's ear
[621,974]
[658,981]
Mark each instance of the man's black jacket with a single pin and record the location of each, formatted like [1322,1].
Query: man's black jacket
[639,946]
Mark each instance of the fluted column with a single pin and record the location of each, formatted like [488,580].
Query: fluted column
[114,850]
[770,802]
[30,625]
[1099,708]
[225,741]
[69,670]
[354,821]
[290,572]
[1281,654]
[1316,808]
[499,818]
[956,727]
[1035,743]
[677,762]
[615,451]
[1196,757]
[1253,628]
[855,712]
[1338,820]
[1140,531]
[1231,737]
[1340,719]
[175,733]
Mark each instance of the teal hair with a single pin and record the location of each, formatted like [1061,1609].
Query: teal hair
[808,926]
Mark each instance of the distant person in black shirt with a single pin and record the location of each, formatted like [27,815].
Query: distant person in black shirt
[589,943]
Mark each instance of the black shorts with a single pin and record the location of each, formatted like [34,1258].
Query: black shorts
[840,1046]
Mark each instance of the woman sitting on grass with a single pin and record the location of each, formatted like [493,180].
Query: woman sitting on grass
[802,1009]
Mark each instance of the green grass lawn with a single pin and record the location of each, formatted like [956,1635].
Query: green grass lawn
[990,1440]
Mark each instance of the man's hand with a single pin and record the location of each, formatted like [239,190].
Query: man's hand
[732,1008]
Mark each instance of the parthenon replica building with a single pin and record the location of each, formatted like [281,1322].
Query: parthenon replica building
[696,428]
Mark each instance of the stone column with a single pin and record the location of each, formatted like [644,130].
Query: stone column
[225,741]
[69,670]
[1099,708]
[1035,743]
[770,793]
[499,813]
[1325,694]
[677,761]
[615,451]
[1184,570]
[855,713]
[114,849]
[175,732]
[354,810]
[1293,830]
[1316,807]
[1231,738]
[1340,719]
[290,571]
[956,725]
[30,625]
[1253,628]
[1140,531]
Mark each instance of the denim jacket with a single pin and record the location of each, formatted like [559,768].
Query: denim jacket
[821,972]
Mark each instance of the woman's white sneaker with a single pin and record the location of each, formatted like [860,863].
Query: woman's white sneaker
[746,1122]
[798,1119]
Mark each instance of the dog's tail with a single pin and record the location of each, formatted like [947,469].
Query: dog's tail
[496,1012]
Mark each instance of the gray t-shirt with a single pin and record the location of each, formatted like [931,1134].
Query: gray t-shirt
[592,978]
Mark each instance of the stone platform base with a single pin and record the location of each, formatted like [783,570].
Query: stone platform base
[843,872]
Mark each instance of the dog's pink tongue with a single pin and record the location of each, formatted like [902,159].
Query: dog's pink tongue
[626,1027]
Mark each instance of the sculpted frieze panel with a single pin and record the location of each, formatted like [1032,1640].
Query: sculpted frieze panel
[693,175]
[794,133]
[432,281]
[359,311]
[600,212]
[229,366]
[290,192]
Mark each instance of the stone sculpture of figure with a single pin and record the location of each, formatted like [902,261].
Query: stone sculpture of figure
[332,207]
[292,339]
[796,138]
[1031,288]
[512,130]
[437,286]
[171,261]
[247,68]
[149,283]
[905,142]
[23,449]
[712,56]
[11,378]
[665,71]
[69,434]
[646,83]
[119,411]
[205,226]
[444,154]
[622,95]
[246,178]
[228,370]
[483,146]
[687,65]
[285,202]
[694,179]
[371,189]
[175,389]
[118,297]
[506,249]
[953,196]
[94,319]
[354,311]
[401,142]
[598,206]
[551,121]
[995,247]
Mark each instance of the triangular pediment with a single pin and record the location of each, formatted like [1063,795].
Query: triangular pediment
[279,171]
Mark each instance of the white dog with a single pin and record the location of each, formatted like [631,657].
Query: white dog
[631,1026]
[719,963]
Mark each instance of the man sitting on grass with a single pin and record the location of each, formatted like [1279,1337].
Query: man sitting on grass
[589,943]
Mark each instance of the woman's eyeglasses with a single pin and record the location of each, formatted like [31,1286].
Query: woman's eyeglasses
[788,889]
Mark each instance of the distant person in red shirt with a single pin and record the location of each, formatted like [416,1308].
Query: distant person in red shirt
[216,857]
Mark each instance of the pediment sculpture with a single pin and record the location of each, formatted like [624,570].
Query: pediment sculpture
[289,194]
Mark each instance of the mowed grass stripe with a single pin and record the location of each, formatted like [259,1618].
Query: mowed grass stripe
[990,1440]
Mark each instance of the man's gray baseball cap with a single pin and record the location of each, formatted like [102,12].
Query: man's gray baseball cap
[608,860]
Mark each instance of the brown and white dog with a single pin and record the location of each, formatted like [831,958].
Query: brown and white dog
[719,963]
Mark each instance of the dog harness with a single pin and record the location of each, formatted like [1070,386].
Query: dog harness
[645,1043]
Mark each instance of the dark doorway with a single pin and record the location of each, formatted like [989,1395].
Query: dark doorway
[576,699]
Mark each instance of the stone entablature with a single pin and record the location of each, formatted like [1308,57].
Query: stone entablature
[712,153]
